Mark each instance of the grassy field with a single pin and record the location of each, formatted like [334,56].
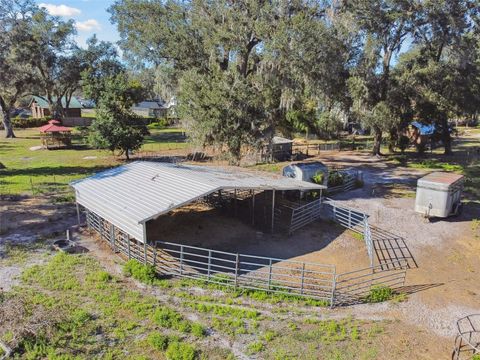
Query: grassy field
[77,310]
[38,171]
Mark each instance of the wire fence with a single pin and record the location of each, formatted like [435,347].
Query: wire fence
[352,219]
[40,185]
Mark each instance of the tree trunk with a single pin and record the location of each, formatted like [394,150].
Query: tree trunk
[7,123]
[392,141]
[377,140]
[446,138]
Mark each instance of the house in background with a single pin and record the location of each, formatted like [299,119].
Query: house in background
[155,108]
[40,108]
[150,108]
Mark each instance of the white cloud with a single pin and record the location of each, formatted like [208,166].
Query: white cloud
[88,25]
[60,10]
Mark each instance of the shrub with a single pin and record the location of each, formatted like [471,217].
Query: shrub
[23,123]
[140,272]
[335,178]
[255,347]
[180,351]
[159,124]
[198,330]
[269,335]
[318,177]
[158,341]
[379,293]
[171,319]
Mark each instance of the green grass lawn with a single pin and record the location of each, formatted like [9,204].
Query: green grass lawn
[84,312]
[47,170]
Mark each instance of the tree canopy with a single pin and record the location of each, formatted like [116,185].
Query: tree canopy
[246,69]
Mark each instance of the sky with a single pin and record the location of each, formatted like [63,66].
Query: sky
[90,16]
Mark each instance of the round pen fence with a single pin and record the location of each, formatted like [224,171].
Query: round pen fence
[282,276]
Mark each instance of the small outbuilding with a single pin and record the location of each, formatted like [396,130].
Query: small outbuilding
[314,171]
[40,108]
[150,108]
[54,135]
[281,150]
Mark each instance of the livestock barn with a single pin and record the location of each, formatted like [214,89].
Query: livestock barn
[132,197]
[133,207]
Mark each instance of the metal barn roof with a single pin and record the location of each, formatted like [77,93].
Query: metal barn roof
[130,195]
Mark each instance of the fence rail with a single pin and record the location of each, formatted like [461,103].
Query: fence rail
[355,286]
[247,271]
[304,215]
[350,182]
[352,219]
[310,149]
[283,276]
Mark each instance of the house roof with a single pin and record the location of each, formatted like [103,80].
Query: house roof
[74,103]
[127,196]
[148,105]
[281,140]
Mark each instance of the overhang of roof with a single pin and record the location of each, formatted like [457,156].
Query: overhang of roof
[128,196]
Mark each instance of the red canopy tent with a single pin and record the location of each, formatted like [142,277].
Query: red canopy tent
[53,134]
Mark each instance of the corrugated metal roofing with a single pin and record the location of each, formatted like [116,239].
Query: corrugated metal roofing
[129,195]
[74,103]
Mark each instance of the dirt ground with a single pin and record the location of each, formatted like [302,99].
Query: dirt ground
[443,288]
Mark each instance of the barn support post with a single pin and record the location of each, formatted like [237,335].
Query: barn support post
[235,201]
[112,235]
[237,266]
[78,213]
[253,206]
[145,243]
[145,251]
[273,209]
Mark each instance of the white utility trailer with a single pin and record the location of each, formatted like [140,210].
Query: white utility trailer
[439,194]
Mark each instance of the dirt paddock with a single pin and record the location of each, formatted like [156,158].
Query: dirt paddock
[320,242]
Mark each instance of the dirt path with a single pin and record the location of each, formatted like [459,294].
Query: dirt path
[447,250]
